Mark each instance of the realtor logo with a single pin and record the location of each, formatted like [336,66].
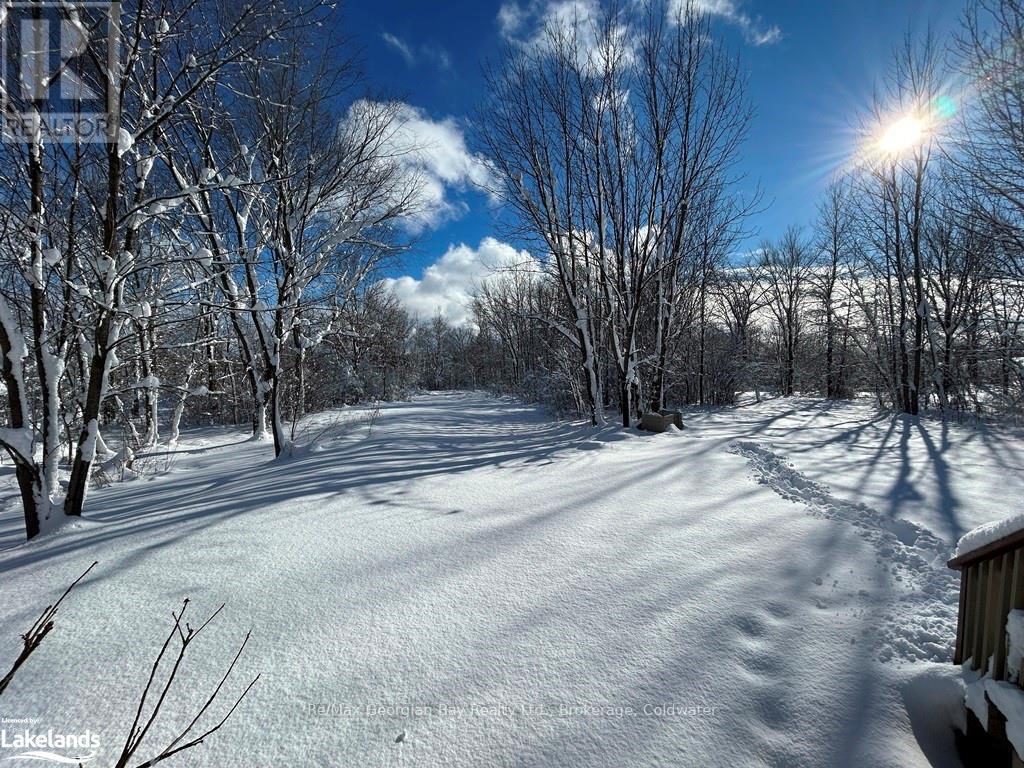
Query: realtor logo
[39,746]
[60,76]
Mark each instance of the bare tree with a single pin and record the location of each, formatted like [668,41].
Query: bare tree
[608,138]
[834,243]
[787,269]
[899,187]
[990,53]
[540,102]
[88,229]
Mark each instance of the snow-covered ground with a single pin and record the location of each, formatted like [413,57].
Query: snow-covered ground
[466,583]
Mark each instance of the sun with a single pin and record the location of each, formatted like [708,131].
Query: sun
[905,133]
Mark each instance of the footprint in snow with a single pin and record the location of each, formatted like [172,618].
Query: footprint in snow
[920,622]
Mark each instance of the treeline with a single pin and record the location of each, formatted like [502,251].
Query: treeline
[616,140]
[207,255]
[380,352]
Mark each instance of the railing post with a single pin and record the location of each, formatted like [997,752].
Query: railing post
[991,625]
[1002,609]
[978,618]
[961,616]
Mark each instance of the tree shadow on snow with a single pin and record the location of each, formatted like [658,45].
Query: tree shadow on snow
[451,434]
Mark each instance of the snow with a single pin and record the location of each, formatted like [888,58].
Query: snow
[204,256]
[934,701]
[912,555]
[144,167]
[988,533]
[1009,699]
[936,474]
[18,350]
[20,441]
[88,448]
[470,583]
[974,694]
[147,382]
[125,141]
[1014,645]
[116,465]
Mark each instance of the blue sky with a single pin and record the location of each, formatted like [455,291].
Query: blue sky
[808,84]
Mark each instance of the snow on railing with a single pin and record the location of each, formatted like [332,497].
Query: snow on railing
[990,631]
[987,535]
[991,585]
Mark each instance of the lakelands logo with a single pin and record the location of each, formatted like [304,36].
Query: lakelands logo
[39,746]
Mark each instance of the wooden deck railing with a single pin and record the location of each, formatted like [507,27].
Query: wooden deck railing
[991,585]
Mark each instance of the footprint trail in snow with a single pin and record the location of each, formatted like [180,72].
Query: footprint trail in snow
[920,616]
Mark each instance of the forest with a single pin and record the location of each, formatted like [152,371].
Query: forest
[226,247]
[670,468]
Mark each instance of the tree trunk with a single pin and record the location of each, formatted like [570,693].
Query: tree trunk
[281,441]
[85,451]
[107,330]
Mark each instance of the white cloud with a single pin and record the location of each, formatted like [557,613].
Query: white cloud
[435,152]
[438,54]
[401,46]
[511,18]
[436,159]
[447,285]
[525,21]
[754,29]
[532,23]
[431,52]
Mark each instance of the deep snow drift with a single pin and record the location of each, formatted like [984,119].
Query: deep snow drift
[463,582]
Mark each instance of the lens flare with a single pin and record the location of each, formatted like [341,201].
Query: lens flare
[902,135]
[945,107]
